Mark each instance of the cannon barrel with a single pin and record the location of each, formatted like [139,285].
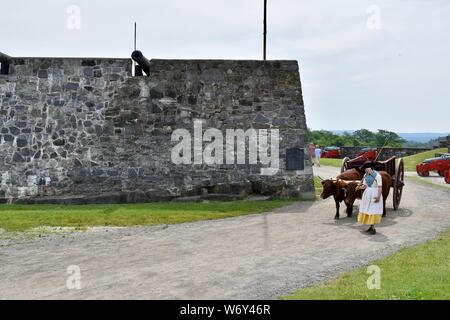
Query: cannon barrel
[142,61]
[5,60]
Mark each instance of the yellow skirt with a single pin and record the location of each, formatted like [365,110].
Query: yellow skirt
[370,219]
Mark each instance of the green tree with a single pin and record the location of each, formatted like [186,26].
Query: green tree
[365,137]
[359,138]
[394,140]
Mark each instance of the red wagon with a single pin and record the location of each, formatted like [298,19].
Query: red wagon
[439,164]
[331,152]
[447,176]
[393,166]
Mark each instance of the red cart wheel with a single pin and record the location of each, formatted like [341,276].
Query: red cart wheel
[399,182]
[344,164]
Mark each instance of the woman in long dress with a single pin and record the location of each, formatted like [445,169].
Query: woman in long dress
[371,208]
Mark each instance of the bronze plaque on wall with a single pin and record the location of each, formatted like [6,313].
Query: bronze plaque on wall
[295,159]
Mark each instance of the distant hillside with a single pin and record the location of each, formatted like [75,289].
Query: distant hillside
[420,137]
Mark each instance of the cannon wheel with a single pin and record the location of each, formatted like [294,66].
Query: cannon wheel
[447,176]
[425,174]
[344,164]
[399,182]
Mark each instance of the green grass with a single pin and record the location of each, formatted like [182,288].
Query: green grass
[24,217]
[331,162]
[317,186]
[412,161]
[420,272]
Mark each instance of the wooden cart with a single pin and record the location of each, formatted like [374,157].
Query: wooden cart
[393,166]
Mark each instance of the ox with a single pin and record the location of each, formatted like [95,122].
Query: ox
[338,189]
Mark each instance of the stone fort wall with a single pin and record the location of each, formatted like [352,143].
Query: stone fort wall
[86,131]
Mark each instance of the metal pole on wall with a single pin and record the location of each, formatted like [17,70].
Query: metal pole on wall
[265,31]
[134,64]
[135,31]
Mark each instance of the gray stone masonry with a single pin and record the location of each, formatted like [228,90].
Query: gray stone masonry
[85,131]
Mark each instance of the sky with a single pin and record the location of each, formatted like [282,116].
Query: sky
[379,64]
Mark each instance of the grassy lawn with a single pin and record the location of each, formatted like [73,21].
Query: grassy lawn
[317,186]
[24,217]
[331,162]
[420,272]
[411,161]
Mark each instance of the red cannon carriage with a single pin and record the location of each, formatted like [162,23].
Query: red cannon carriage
[439,164]
[447,176]
[368,153]
[365,154]
[331,152]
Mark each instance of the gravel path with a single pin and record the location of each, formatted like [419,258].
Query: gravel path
[251,257]
[434,179]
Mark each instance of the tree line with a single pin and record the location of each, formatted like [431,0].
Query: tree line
[358,138]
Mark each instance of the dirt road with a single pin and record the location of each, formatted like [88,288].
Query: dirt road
[253,257]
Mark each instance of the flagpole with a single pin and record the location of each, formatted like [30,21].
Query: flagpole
[135,32]
[265,31]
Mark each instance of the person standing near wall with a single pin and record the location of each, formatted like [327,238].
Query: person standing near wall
[312,152]
[318,153]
